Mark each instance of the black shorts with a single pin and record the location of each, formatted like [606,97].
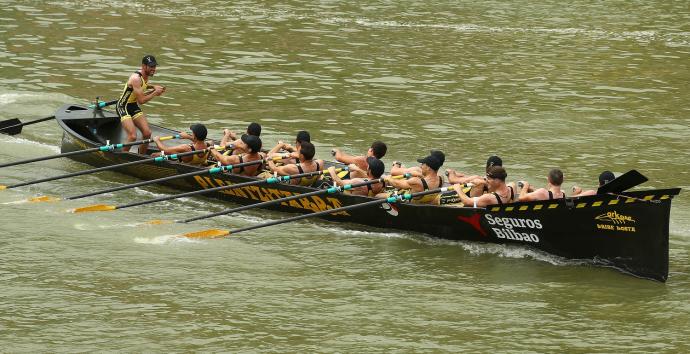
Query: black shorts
[129,111]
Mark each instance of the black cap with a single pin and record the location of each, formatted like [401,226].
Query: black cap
[253,141]
[431,161]
[199,131]
[439,155]
[149,60]
[376,166]
[254,129]
[494,161]
[303,136]
[606,177]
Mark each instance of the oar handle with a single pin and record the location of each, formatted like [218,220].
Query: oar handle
[105,168]
[104,148]
[286,199]
[221,188]
[211,171]
[392,199]
[100,104]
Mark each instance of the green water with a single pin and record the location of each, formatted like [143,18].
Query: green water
[583,86]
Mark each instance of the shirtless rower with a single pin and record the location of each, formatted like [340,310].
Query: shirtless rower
[250,143]
[378,149]
[604,177]
[499,192]
[197,137]
[230,138]
[306,164]
[429,180]
[302,137]
[415,171]
[552,191]
[374,171]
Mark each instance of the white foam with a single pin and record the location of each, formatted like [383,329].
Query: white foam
[165,240]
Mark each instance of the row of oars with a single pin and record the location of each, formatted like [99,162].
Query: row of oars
[211,171]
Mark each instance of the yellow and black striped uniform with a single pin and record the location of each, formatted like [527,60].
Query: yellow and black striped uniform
[127,106]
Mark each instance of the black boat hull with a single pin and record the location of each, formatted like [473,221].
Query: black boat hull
[628,232]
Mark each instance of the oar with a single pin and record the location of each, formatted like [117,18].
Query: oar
[213,233]
[110,147]
[211,171]
[14,126]
[624,182]
[103,207]
[106,168]
[330,190]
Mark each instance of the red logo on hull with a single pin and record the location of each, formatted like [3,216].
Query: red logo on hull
[474,222]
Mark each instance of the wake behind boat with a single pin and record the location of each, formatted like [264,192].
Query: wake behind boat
[625,230]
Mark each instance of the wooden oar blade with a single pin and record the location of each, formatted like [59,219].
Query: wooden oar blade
[210,233]
[96,207]
[159,222]
[44,198]
[623,182]
[3,187]
[11,126]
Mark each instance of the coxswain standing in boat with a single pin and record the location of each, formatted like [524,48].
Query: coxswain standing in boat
[552,191]
[136,93]
[378,149]
[499,192]
[249,143]
[293,151]
[429,180]
[197,137]
[374,171]
[306,164]
[230,138]
[415,171]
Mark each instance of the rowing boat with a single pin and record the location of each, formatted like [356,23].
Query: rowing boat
[628,231]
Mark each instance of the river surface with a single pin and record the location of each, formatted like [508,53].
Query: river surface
[584,86]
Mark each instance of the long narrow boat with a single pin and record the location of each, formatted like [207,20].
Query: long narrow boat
[627,231]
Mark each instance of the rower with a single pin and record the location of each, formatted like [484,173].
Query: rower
[377,149]
[197,137]
[136,93]
[374,171]
[306,164]
[478,184]
[499,192]
[604,177]
[415,171]
[249,143]
[429,180]
[230,138]
[293,157]
[553,189]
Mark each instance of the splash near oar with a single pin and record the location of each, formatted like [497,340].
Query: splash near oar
[331,190]
[215,233]
[105,148]
[106,168]
[271,180]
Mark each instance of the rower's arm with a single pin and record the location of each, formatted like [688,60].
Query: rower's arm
[334,177]
[224,159]
[481,201]
[526,196]
[402,183]
[282,170]
[412,171]
[168,150]
[348,159]
[276,148]
[142,97]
